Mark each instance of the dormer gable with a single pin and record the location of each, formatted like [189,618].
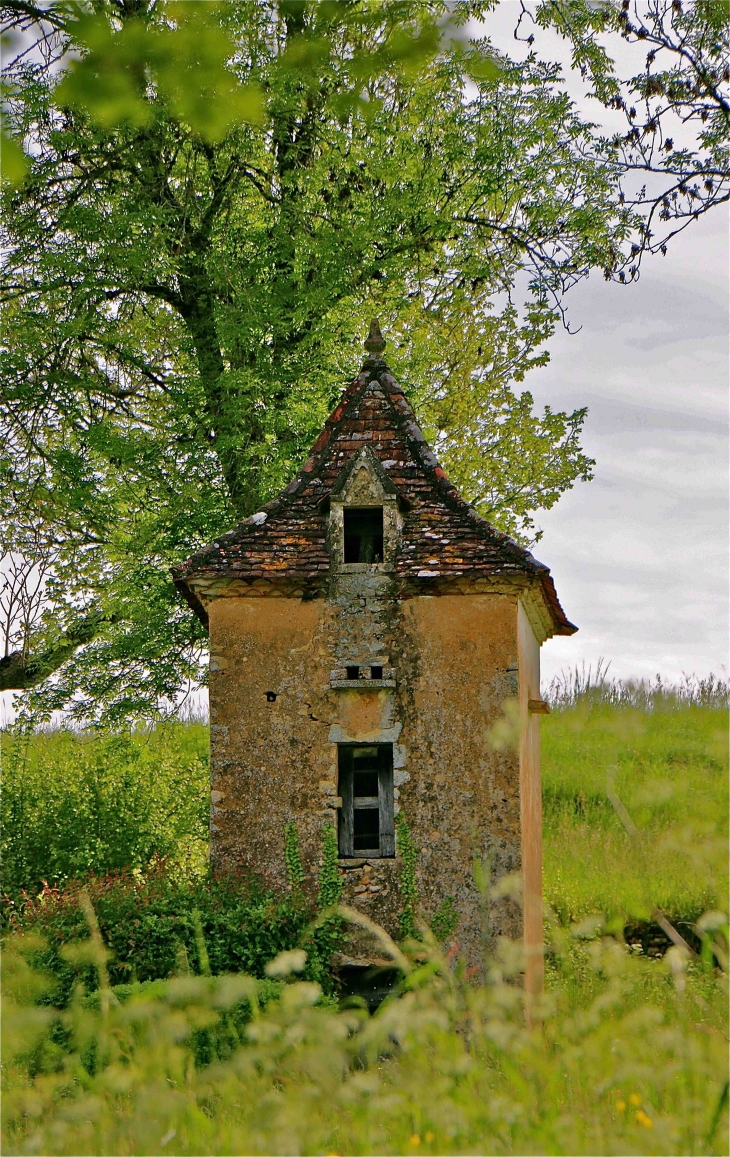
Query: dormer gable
[364,513]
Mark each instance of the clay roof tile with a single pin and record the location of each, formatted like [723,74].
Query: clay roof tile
[291,530]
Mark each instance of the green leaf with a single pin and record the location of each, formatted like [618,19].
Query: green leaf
[13,161]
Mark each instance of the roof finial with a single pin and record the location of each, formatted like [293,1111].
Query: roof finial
[374,342]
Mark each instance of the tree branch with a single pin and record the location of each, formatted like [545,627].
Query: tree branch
[19,672]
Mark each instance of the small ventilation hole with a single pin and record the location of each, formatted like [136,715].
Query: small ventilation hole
[271,696]
[353,672]
[376,672]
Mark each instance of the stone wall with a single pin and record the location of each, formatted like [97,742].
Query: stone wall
[277,717]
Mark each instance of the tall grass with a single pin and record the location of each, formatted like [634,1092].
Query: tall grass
[664,751]
[635,1066]
[587,686]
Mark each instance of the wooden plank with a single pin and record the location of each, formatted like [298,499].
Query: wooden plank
[528,657]
[346,822]
[385,797]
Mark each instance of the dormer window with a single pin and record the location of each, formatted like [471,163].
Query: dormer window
[364,516]
[363,532]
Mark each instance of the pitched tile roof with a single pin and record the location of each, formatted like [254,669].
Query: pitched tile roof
[287,538]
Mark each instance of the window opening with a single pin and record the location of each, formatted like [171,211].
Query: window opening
[353,672]
[366,835]
[376,672]
[366,786]
[363,534]
[271,696]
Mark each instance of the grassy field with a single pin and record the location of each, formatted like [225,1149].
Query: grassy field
[669,770]
[625,1055]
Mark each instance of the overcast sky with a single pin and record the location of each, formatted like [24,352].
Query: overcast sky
[640,555]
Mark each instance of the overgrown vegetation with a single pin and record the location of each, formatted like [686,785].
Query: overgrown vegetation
[408,853]
[113,1044]
[662,751]
[80,803]
[76,803]
[156,926]
[630,1058]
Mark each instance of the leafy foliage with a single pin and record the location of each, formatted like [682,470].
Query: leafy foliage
[223,924]
[183,294]
[330,880]
[74,804]
[674,152]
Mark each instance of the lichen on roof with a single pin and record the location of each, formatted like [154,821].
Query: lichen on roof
[287,538]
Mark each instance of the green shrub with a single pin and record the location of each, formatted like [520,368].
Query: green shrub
[149,921]
[75,804]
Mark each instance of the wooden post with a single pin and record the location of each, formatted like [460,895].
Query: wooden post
[528,657]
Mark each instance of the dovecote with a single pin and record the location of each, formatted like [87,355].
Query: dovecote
[370,634]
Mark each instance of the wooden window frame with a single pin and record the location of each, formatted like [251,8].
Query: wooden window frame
[386,815]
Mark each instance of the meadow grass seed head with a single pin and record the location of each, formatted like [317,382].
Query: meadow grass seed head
[287,963]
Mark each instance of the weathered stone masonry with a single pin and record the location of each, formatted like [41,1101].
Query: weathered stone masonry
[403,662]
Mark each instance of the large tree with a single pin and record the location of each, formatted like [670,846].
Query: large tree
[218,197]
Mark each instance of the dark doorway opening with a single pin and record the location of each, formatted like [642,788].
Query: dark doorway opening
[366,983]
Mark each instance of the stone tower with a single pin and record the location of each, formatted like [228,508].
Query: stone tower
[367,628]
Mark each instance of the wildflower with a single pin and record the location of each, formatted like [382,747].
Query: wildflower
[634,1099]
[643,1119]
[620,1105]
[430,1137]
[414,1139]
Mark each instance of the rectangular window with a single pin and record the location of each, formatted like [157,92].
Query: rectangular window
[367,825]
[363,533]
